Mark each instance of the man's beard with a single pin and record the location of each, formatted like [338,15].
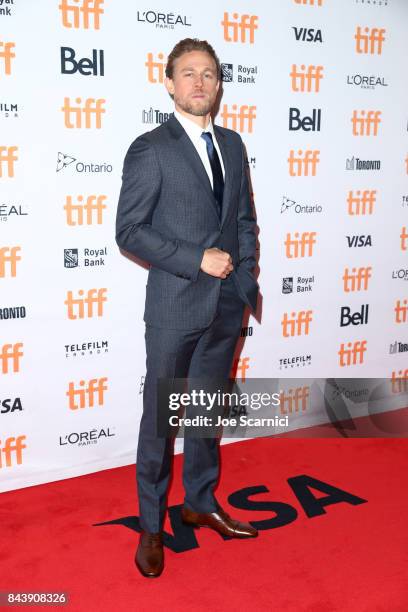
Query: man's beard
[197,111]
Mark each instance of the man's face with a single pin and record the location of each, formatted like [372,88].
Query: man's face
[194,84]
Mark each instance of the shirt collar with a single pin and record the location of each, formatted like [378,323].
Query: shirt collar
[193,130]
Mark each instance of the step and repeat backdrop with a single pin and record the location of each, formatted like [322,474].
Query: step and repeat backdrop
[318,91]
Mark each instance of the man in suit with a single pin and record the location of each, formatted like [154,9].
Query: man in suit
[184,207]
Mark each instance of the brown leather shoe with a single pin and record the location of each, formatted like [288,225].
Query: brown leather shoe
[220,521]
[149,555]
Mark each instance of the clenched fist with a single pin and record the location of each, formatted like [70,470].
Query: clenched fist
[217,263]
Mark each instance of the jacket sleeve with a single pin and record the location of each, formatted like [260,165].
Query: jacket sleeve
[246,222]
[139,195]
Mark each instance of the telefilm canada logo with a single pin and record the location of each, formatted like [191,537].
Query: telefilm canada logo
[295,361]
[67,161]
[88,348]
[9,110]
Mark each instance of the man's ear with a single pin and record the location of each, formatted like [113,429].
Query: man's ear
[169,85]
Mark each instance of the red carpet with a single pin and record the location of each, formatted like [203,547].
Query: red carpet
[350,556]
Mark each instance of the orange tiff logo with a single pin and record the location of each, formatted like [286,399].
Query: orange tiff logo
[240,121]
[357,279]
[86,394]
[353,354]
[87,213]
[237,29]
[370,41]
[401,311]
[10,356]
[8,155]
[362,202]
[8,255]
[155,68]
[406,164]
[81,14]
[6,54]
[300,246]
[91,108]
[9,448]
[239,368]
[399,381]
[294,400]
[94,301]
[404,238]
[305,164]
[306,79]
[363,123]
[297,324]
[311,2]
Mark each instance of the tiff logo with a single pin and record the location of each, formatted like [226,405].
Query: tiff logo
[401,311]
[155,68]
[294,400]
[305,164]
[6,55]
[11,446]
[239,27]
[399,381]
[76,306]
[362,203]
[298,323]
[306,79]
[239,368]
[300,247]
[8,255]
[8,156]
[81,14]
[362,124]
[357,279]
[353,354]
[86,213]
[240,121]
[310,2]
[91,108]
[86,394]
[404,238]
[10,356]
[371,41]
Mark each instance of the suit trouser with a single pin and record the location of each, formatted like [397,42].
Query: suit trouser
[173,353]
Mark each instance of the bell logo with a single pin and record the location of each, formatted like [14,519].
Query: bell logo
[401,311]
[362,203]
[362,124]
[7,158]
[6,55]
[10,355]
[294,400]
[371,41]
[239,27]
[357,279]
[306,79]
[310,2]
[8,448]
[87,393]
[8,255]
[76,306]
[76,14]
[155,69]
[353,354]
[399,381]
[92,107]
[404,238]
[85,214]
[300,166]
[240,366]
[298,324]
[246,117]
[300,247]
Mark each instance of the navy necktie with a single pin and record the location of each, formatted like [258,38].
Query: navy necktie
[218,179]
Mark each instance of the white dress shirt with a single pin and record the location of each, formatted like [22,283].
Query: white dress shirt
[194,132]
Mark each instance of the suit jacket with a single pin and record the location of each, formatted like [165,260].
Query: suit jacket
[167,215]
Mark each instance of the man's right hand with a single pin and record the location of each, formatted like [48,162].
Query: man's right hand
[217,263]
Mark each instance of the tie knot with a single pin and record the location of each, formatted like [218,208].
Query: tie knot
[207,137]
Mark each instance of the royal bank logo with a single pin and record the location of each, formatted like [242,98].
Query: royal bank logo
[297,284]
[300,209]
[355,163]
[287,285]
[8,110]
[88,348]
[295,361]
[227,73]
[65,161]
[6,7]
[244,74]
[366,81]
[155,116]
[163,21]
[70,258]
[87,258]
